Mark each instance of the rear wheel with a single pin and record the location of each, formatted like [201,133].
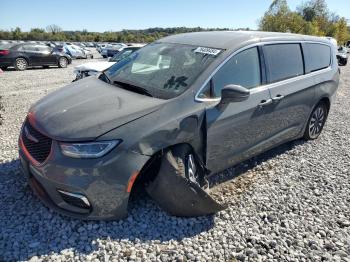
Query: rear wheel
[316,122]
[62,62]
[3,67]
[21,64]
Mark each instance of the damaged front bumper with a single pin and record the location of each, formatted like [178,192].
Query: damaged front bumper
[93,189]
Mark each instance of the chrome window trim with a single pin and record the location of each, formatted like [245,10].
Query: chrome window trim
[255,89]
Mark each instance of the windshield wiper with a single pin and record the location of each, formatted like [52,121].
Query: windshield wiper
[131,87]
[104,77]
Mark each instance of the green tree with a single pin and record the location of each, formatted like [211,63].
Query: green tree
[342,33]
[16,34]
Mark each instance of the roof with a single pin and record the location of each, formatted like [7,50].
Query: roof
[233,39]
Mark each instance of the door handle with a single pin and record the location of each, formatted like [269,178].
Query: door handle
[265,102]
[278,98]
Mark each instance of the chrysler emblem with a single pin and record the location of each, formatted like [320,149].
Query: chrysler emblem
[30,136]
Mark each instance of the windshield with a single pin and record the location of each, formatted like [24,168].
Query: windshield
[122,54]
[164,70]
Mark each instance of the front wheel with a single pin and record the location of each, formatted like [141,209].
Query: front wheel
[316,122]
[62,62]
[188,165]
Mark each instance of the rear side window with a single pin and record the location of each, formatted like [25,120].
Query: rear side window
[43,48]
[283,61]
[243,69]
[29,48]
[317,57]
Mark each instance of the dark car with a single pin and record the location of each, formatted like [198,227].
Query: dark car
[113,49]
[22,56]
[171,114]
[342,56]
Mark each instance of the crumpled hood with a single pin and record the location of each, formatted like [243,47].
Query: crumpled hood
[94,66]
[88,108]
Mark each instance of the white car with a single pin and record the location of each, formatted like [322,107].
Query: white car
[94,68]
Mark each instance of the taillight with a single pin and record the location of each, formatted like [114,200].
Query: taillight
[4,52]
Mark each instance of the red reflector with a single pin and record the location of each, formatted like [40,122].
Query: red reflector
[4,52]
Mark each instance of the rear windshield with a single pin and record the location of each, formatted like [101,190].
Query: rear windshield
[165,70]
[7,45]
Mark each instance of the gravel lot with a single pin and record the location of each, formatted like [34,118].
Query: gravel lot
[289,204]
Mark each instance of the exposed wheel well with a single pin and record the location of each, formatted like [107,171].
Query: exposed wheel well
[150,170]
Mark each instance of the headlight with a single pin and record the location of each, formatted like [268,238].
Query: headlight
[88,150]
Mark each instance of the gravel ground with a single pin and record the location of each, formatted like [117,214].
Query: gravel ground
[289,204]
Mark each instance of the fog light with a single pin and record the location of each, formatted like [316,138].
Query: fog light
[75,199]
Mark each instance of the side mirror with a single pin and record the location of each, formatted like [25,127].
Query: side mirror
[234,93]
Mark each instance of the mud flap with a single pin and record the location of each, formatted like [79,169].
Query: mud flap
[177,195]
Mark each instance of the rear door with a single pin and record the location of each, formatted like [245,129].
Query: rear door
[291,90]
[31,53]
[237,130]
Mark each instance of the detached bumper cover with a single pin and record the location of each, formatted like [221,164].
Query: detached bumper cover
[179,196]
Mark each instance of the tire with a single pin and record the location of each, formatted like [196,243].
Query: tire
[21,64]
[188,165]
[62,62]
[45,66]
[3,68]
[316,121]
[343,62]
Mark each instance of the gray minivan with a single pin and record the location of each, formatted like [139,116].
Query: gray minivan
[171,114]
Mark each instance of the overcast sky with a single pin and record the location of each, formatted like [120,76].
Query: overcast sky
[114,15]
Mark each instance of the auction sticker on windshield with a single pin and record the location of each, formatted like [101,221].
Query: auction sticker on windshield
[207,50]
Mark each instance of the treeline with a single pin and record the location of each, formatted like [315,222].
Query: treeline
[311,18]
[55,33]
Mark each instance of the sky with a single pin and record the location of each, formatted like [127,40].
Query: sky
[115,15]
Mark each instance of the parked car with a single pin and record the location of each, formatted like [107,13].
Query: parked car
[111,49]
[169,115]
[95,68]
[114,49]
[342,56]
[73,51]
[100,47]
[22,56]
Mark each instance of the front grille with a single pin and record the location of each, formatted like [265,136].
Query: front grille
[75,199]
[37,144]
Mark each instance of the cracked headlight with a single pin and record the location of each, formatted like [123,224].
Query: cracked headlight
[89,149]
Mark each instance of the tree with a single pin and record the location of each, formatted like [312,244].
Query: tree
[342,33]
[312,18]
[53,29]
[279,18]
[16,34]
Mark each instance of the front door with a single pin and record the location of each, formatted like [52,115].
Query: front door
[45,56]
[238,130]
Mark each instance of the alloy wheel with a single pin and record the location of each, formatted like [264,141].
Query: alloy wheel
[317,121]
[21,64]
[63,62]
[192,169]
